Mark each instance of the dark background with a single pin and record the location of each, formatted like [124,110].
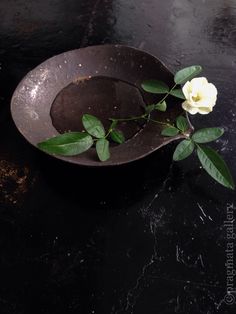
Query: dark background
[144,239]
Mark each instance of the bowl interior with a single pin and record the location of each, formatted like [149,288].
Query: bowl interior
[100,96]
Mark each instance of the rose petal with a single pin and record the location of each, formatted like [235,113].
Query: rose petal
[187,90]
[187,107]
[198,83]
[205,110]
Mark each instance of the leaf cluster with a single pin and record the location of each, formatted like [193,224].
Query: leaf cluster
[74,143]
[210,160]
[159,87]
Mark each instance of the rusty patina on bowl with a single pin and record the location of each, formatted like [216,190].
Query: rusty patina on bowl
[33,103]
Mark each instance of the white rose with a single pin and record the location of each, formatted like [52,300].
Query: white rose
[200,96]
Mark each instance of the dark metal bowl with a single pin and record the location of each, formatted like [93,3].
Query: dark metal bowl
[101,80]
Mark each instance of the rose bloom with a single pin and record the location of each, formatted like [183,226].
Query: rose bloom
[200,96]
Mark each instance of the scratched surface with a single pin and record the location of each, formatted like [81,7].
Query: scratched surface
[144,239]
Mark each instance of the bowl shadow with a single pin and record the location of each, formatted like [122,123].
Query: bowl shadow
[107,187]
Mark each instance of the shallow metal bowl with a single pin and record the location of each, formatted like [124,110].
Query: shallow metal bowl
[43,105]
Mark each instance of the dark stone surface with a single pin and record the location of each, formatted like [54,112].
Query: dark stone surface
[144,239]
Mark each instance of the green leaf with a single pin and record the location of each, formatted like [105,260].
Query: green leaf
[67,144]
[183,150]
[215,166]
[187,74]
[177,93]
[161,106]
[117,136]
[113,124]
[182,123]
[170,131]
[149,108]
[93,126]
[207,135]
[155,87]
[102,148]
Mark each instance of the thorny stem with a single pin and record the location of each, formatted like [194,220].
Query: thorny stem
[189,122]
[167,94]
[144,116]
[129,119]
[159,122]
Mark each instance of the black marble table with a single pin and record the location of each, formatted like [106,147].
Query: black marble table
[146,238]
